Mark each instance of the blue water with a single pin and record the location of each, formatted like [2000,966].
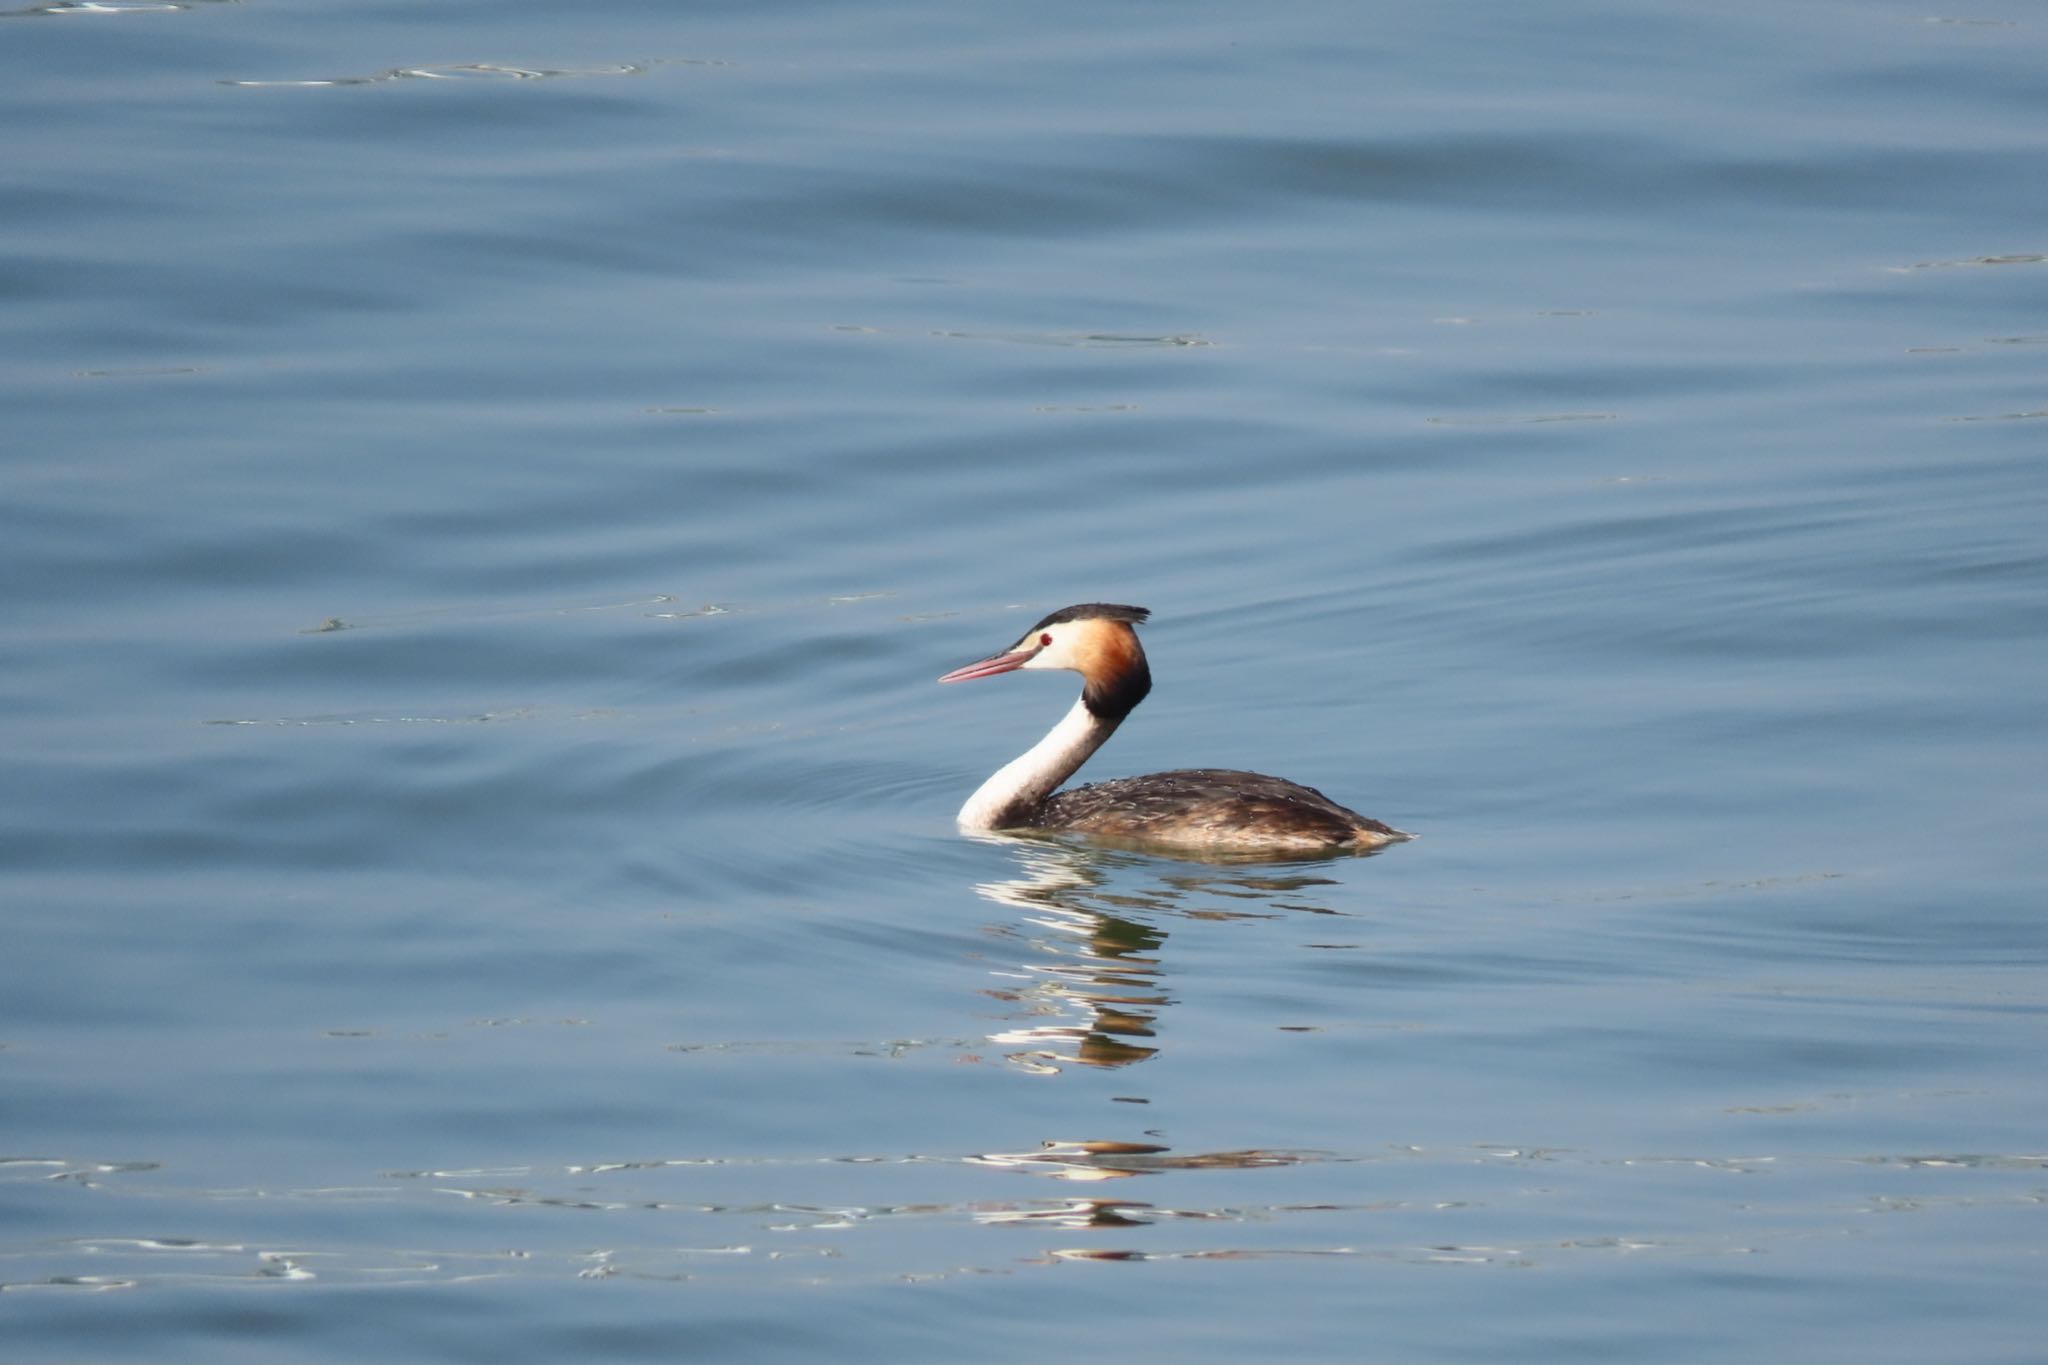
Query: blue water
[487,490]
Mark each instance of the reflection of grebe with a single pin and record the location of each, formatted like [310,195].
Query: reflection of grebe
[1206,808]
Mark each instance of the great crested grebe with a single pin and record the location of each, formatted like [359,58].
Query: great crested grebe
[1217,809]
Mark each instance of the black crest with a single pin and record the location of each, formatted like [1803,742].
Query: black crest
[1095,611]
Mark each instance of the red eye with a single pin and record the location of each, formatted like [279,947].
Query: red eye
[1045,640]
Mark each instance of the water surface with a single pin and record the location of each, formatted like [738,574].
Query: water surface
[488,490]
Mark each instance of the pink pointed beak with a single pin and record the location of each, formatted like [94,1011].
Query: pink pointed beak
[989,667]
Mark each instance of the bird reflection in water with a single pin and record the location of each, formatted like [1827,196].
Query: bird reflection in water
[1113,1161]
[1088,987]
[1092,989]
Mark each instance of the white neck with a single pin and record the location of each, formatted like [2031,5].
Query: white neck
[1019,787]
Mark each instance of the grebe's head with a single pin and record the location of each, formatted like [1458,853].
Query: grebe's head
[1095,640]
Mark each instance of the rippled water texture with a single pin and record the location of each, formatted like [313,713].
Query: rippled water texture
[487,492]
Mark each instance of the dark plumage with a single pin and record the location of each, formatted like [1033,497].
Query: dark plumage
[1218,808]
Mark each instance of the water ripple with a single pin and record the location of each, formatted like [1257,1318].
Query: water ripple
[1427,1210]
[486,71]
[107,7]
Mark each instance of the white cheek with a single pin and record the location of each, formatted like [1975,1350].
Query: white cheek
[1053,655]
